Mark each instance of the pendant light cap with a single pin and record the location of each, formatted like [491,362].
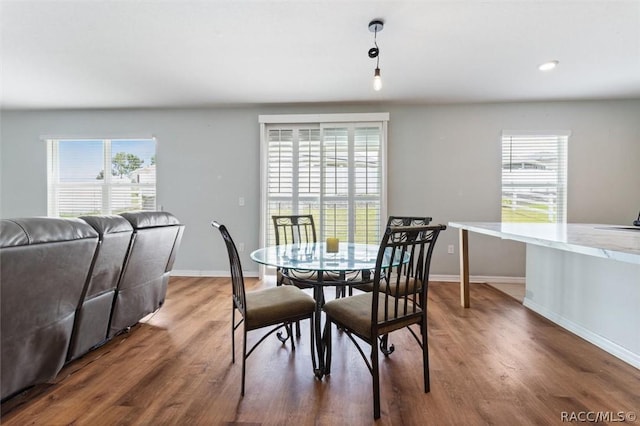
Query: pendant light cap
[376,26]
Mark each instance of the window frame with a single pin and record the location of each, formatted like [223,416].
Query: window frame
[107,184]
[562,149]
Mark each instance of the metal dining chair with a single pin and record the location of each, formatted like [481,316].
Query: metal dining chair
[300,229]
[368,316]
[277,307]
[292,229]
[385,347]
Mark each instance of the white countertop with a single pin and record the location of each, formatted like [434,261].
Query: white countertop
[608,241]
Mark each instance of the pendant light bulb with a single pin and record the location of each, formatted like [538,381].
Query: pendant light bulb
[377,80]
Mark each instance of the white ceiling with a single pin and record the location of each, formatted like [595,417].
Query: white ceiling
[127,54]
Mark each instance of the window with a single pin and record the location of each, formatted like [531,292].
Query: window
[534,177]
[331,166]
[100,176]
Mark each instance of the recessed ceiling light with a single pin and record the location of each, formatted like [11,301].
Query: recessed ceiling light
[548,66]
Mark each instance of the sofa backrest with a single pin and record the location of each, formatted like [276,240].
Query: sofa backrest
[44,264]
[94,310]
[143,284]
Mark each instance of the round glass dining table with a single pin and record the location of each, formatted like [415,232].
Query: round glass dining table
[313,257]
[310,263]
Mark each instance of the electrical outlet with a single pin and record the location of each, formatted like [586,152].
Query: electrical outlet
[240,247]
[241,201]
[450,249]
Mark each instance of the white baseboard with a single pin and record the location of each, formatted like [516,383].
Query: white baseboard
[478,279]
[197,273]
[432,277]
[604,344]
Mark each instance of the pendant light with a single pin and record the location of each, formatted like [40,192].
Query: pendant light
[374,52]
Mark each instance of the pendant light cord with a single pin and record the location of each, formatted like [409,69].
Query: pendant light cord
[375,43]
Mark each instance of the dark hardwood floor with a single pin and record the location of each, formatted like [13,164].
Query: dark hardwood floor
[496,363]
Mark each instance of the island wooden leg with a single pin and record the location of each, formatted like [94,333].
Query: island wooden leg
[464,268]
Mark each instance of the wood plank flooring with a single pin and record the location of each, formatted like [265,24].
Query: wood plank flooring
[496,363]
[517,291]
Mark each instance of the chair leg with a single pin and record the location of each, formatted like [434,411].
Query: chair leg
[385,347]
[425,357]
[313,349]
[327,346]
[297,330]
[233,334]
[244,358]
[289,327]
[375,372]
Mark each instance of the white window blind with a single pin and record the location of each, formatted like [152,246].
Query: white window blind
[334,171]
[534,177]
[100,176]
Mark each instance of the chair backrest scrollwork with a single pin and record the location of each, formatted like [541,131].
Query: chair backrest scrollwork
[293,229]
[404,289]
[237,279]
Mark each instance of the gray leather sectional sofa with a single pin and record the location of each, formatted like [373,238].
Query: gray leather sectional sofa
[69,285]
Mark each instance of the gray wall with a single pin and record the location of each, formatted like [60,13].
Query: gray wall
[443,160]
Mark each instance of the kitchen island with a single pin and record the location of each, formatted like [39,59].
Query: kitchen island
[584,277]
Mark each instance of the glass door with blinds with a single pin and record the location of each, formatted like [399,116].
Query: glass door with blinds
[334,171]
[293,173]
[352,183]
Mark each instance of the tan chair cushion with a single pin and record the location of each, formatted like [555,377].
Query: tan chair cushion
[277,304]
[354,312]
[391,288]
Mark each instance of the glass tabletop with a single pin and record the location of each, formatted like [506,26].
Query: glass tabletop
[314,257]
